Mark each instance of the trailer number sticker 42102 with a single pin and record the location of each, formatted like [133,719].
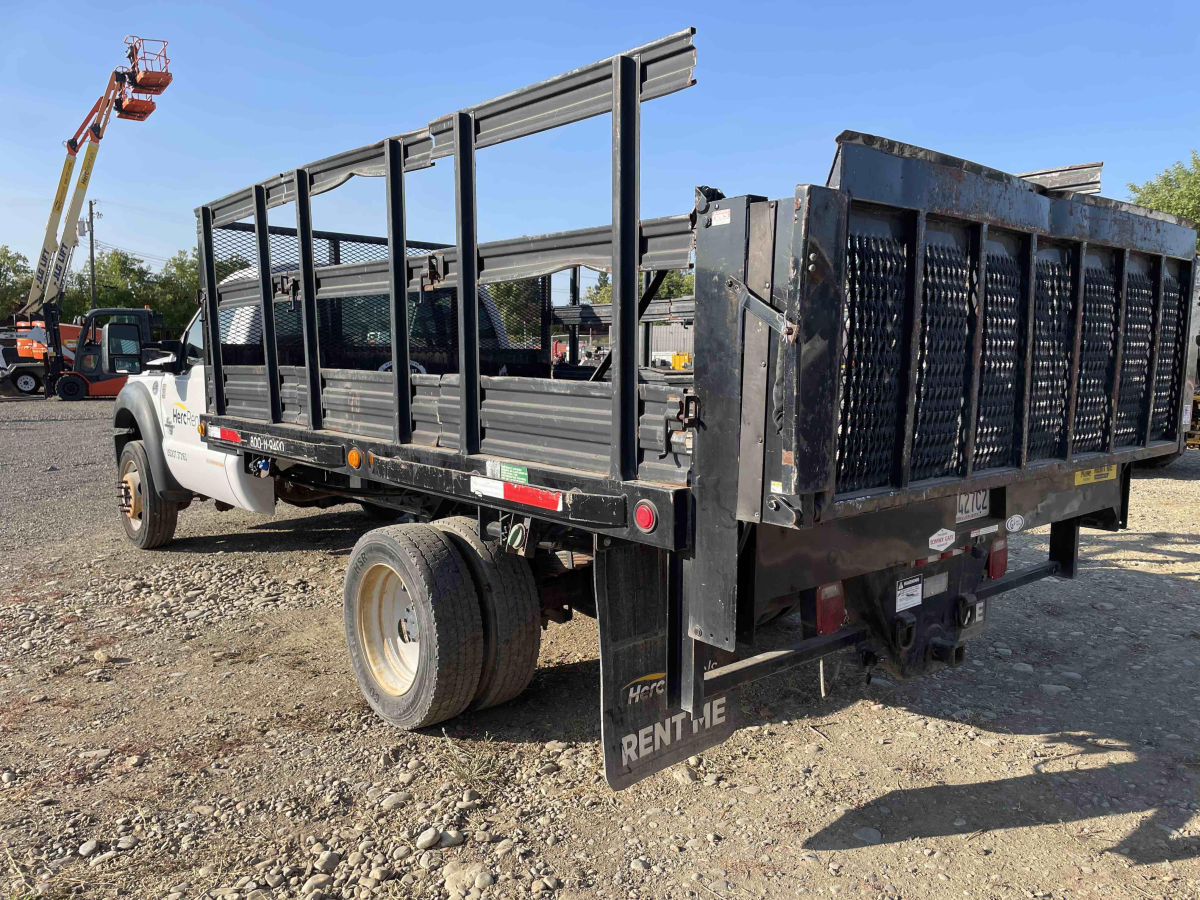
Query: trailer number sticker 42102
[972,506]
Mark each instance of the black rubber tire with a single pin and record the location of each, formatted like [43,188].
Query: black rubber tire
[19,377]
[447,613]
[159,517]
[71,387]
[509,607]
[380,513]
[775,615]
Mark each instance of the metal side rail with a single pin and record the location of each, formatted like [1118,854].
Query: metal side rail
[752,668]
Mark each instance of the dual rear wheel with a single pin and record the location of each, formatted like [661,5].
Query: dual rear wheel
[438,621]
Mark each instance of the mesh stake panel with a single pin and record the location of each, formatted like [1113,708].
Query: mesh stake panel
[289,334]
[234,255]
[944,360]
[876,296]
[1166,377]
[1135,359]
[235,251]
[514,327]
[356,332]
[1054,326]
[241,336]
[1096,348]
[995,436]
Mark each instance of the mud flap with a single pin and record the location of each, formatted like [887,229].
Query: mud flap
[641,731]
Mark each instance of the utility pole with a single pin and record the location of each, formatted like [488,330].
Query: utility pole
[92,245]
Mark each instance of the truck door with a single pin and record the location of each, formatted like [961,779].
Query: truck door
[86,349]
[198,468]
[181,402]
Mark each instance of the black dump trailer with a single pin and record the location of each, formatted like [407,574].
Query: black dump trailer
[893,372]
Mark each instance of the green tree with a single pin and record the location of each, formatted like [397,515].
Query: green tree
[76,295]
[519,306]
[15,278]
[123,280]
[676,284]
[1175,190]
[175,295]
[600,292]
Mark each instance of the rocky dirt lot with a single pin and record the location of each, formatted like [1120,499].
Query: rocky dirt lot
[184,723]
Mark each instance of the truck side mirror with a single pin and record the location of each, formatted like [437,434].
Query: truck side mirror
[121,348]
[171,360]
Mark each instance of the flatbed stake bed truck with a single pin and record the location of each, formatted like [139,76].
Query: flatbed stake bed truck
[894,372]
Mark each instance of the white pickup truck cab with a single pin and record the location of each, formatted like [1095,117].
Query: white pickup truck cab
[162,462]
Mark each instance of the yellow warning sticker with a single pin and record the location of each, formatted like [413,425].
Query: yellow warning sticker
[1091,476]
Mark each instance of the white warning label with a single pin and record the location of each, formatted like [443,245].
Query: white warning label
[908,593]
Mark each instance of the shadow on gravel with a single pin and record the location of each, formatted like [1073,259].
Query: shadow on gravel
[1171,546]
[1170,771]
[1021,802]
[334,532]
[561,703]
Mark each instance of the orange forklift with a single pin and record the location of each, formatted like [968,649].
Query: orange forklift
[72,354]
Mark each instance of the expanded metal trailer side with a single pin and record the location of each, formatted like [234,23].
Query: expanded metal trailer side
[892,372]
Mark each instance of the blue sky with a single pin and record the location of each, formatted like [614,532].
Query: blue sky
[261,88]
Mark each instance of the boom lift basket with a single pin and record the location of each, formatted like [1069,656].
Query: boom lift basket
[150,65]
[136,108]
[147,77]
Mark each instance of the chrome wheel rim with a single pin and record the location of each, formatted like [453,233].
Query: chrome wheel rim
[387,629]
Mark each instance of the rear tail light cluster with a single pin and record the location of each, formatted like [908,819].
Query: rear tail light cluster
[831,607]
[998,558]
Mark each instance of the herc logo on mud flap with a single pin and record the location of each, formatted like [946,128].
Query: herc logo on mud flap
[641,688]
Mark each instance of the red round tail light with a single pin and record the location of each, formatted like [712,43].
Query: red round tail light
[645,516]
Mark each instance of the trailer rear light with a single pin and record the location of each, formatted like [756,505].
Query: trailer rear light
[831,607]
[200,429]
[354,458]
[645,516]
[226,434]
[998,558]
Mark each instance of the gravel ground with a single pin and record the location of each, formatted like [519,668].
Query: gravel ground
[183,723]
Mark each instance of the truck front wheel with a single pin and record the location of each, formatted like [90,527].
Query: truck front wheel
[412,624]
[149,520]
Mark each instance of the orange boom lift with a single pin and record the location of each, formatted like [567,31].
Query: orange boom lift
[130,93]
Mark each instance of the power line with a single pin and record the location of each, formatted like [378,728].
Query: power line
[138,253]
